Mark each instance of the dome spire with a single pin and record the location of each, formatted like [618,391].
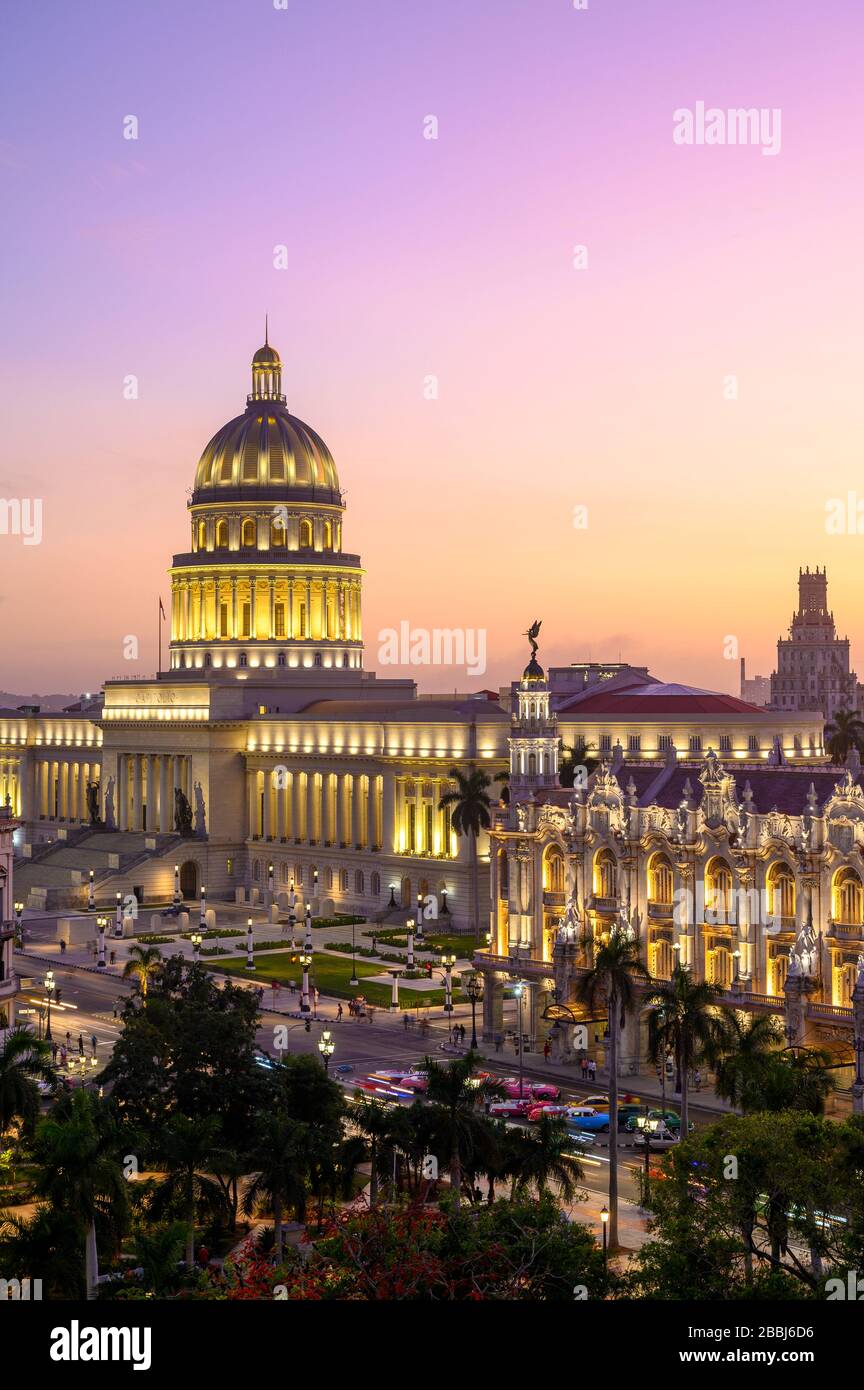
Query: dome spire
[266,371]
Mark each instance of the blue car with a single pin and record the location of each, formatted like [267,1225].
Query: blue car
[587,1122]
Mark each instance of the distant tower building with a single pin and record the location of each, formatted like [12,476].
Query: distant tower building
[813,662]
[533,736]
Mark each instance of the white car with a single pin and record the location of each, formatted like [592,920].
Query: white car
[655,1135]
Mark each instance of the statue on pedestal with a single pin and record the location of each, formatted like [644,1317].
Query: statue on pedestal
[182,814]
[93,803]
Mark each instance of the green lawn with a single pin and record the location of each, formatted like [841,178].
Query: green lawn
[331,974]
[461,946]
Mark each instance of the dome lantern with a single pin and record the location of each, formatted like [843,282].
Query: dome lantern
[266,372]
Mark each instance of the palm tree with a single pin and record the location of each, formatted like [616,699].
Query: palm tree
[543,1155]
[572,756]
[76,1151]
[471,805]
[798,1078]
[280,1156]
[25,1060]
[144,963]
[158,1252]
[46,1239]
[613,980]
[454,1097]
[682,1016]
[843,733]
[187,1148]
[375,1122]
[742,1043]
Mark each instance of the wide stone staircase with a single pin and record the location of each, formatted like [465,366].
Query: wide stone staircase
[57,876]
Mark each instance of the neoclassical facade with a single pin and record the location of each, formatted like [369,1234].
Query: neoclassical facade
[751,876]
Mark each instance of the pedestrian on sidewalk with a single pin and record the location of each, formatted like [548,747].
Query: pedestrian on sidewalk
[547,1049]
[405,1022]
[114,1010]
[592,1069]
[584,1066]
[68,1038]
[93,1043]
[63,1056]
[54,1053]
[113,958]
[80,1044]
[62,948]
[339,1013]
[499,1042]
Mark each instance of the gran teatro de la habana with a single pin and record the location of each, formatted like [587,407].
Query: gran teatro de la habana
[266,743]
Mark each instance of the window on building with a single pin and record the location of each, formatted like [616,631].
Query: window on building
[280,660]
[279,619]
[695,743]
[605,743]
[665,742]
[634,743]
[359,881]
[753,743]
[248,533]
[245,620]
[376,885]
[343,880]
[223,620]
[317,658]
[229,866]
[243,661]
[277,534]
[725,743]
[222,533]
[328,877]
[305,535]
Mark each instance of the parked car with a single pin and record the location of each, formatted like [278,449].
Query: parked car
[588,1120]
[514,1108]
[671,1118]
[554,1109]
[537,1090]
[544,1090]
[656,1135]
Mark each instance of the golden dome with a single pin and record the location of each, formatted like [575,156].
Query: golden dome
[267,447]
[266,356]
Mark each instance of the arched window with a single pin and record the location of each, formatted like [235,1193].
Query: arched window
[202,535]
[781,891]
[222,533]
[848,899]
[343,880]
[328,877]
[249,532]
[244,661]
[305,535]
[605,874]
[317,658]
[661,879]
[503,875]
[376,885]
[359,881]
[718,889]
[553,870]
[280,660]
[277,533]
[328,536]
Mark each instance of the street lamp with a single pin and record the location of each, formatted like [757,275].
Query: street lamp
[49,990]
[197,938]
[305,962]
[91,901]
[308,941]
[448,962]
[100,926]
[118,916]
[203,918]
[858,1045]
[270,881]
[19,922]
[353,980]
[177,897]
[292,915]
[394,989]
[410,958]
[604,1221]
[419,916]
[736,956]
[326,1047]
[250,959]
[519,990]
[474,990]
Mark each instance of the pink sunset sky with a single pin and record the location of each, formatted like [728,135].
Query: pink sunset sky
[559,388]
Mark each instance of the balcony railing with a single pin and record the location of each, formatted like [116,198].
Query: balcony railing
[829,1011]
[658,909]
[600,904]
[847,930]
[552,898]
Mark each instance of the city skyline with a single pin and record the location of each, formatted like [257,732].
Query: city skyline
[409,258]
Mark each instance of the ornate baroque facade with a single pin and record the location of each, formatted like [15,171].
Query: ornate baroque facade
[752,876]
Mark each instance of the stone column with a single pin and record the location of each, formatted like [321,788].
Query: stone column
[251,803]
[493,1005]
[152,816]
[372,840]
[165,798]
[388,810]
[280,809]
[355,809]
[858,1043]
[341,836]
[123,791]
[297,820]
[136,792]
[267,830]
